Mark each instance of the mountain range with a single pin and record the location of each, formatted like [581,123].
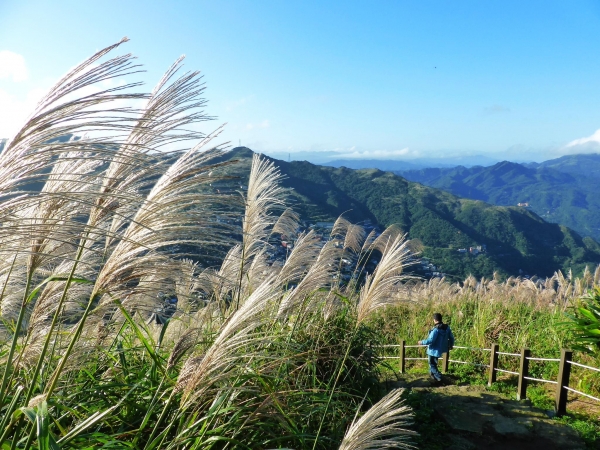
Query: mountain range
[509,240]
[412,164]
[563,190]
[460,236]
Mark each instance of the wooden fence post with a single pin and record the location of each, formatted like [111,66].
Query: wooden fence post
[564,372]
[402,357]
[445,358]
[523,372]
[493,364]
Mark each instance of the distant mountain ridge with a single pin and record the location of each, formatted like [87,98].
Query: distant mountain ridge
[412,164]
[460,236]
[562,190]
[587,165]
[513,240]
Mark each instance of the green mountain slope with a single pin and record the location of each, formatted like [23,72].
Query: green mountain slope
[557,190]
[516,239]
[587,165]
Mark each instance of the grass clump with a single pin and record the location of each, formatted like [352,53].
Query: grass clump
[515,314]
[256,353]
[589,430]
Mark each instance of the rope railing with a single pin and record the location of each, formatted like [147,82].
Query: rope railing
[541,380]
[585,367]
[472,348]
[468,362]
[509,354]
[562,383]
[581,393]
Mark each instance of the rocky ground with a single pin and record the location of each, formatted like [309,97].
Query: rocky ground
[453,417]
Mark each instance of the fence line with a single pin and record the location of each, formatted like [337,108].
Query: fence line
[541,380]
[562,383]
[585,367]
[581,393]
[509,354]
[472,348]
[467,362]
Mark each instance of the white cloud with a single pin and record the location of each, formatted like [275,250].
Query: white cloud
[594,139]
[12,65]
[376,154]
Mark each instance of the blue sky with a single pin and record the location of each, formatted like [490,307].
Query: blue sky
[386,80]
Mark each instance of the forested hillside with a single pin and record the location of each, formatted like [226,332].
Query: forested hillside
[562,191]
[513,240]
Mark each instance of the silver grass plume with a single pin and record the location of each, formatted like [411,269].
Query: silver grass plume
[370,239]
[302,257]
[319,275]
[382,426]
[354,239]
[171,213]
[186,341]
[388,275]
[166,112]
[27,156]
[340,228]
[258,271]
[287,224]
[48,302]
[62,112]
[54,222]
[185,282]
[264,197]
[236,333]
[224,285]
[186,331]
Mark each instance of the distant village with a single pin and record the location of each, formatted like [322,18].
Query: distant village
[474,250]
[278,253]
[420,266]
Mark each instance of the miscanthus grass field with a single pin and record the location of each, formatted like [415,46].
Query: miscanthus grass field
[516,313]
[253,354]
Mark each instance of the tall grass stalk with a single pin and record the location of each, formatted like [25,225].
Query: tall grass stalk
[253,355]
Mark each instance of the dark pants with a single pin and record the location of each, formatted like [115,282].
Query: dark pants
[433,367]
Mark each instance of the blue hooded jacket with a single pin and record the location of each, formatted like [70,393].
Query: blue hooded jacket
[440,340]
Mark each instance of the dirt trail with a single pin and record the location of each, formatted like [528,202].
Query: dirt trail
[480,419]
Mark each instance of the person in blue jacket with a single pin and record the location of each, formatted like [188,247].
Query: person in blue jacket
[440,340]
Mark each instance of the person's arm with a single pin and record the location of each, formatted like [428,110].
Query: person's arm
[450,339]
[431,337]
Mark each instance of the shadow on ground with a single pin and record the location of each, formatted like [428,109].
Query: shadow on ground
[468,417]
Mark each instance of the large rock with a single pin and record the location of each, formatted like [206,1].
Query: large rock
[500,421]
[476,419]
